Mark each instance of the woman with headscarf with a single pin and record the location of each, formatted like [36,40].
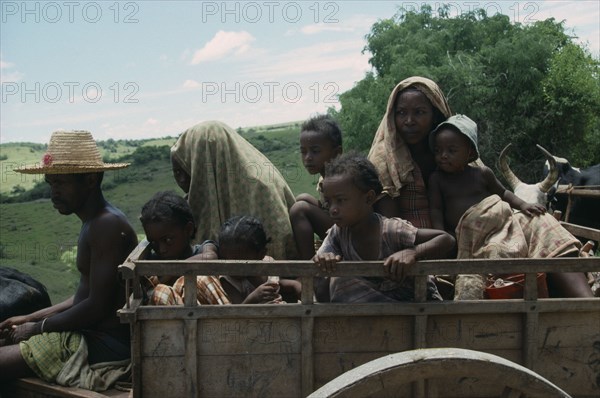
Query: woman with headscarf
[404,160]
[400,149]
[223,175]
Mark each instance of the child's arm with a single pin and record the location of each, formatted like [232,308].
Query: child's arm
[514,201]
[263,294]
[435,202]
[429,244]
[327,261]
[209,252]
[329,253]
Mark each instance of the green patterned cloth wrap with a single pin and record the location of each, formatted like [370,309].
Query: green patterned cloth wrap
[47,353]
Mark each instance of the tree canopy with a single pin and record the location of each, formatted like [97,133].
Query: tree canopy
[524,84]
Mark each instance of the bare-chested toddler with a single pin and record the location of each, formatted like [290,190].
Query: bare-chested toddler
[456,185]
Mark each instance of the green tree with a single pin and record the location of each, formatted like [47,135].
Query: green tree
[525,84]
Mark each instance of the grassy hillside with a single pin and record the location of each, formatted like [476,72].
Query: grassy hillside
[33,236]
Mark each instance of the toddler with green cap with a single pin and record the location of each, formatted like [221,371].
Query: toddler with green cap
[456,185]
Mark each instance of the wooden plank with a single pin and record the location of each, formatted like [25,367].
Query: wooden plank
[127,269]
[136,358]
[585,232]
[420,288]
[307,290]
[477,331]
[191,352]
[557,305]
[531,290]
[363,334]
[34,387]
[250,335]
[308,371]
[191,290]
[530,345]
[368,268]
[164,377]
[162,338]
[588,193]
[248,376]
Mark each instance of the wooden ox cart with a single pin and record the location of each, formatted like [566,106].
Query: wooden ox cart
[540,347]
[291,350]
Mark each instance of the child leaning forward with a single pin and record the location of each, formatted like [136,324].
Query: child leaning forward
[244,238]
[350,186]
[170,228]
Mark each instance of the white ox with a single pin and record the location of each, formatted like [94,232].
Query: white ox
[531,193]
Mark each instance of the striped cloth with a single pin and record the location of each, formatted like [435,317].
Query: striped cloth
[490,229]
[396,234]
[414,204]
[209,292]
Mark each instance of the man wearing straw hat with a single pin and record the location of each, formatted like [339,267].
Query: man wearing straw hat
[52,343]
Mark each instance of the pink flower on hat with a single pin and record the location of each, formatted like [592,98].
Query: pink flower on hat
[47,159]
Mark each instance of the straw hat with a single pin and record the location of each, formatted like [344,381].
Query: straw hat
[71,152]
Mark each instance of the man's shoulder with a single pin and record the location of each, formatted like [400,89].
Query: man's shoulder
[110,219]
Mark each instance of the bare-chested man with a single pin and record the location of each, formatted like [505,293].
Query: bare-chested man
[44,340]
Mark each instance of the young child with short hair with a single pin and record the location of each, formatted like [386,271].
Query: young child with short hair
[320,142]
[471,203]
[456,185]
[244,238]
[170,228]
[351,186]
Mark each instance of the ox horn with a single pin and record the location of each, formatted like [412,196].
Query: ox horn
[552,176]
[509,176]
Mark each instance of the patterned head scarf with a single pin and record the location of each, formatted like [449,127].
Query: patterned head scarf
[230,177]
[389,152]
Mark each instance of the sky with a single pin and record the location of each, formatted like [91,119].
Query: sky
[145,69]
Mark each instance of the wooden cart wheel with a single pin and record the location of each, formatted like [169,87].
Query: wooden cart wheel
[389,372]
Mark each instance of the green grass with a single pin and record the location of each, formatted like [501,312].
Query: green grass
[15,155]
[33,236]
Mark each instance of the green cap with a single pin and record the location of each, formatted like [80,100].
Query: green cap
[463,124]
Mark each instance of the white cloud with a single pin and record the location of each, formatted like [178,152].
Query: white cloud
[357,23]
[151,122]
[190,84]
[321,27]
[9,76]
[323,57]
[223,44]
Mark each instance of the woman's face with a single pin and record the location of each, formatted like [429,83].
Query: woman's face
[413,116]
[182,178]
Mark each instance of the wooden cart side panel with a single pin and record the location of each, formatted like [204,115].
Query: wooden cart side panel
[258,357]
[259,351]
[251,357]
[569,351]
